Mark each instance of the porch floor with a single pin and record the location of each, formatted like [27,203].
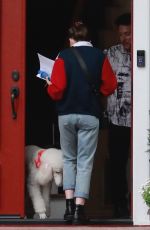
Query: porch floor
[77,227]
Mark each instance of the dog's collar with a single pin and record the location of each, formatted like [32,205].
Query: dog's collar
[37,161]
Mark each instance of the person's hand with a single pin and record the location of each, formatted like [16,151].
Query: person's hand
[48,81]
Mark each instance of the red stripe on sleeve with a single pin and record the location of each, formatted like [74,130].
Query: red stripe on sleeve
[109,81]
[58,80]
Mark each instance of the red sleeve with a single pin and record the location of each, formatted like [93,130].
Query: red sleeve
[58,80]
[109,81]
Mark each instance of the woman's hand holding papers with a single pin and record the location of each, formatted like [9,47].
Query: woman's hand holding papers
[48,81]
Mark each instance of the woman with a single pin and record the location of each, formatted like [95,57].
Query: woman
[78,114]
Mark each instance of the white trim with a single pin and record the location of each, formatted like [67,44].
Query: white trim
[141,88]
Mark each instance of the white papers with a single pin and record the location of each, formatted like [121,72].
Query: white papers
[46,66]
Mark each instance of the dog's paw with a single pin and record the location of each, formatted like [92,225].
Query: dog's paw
[42,215]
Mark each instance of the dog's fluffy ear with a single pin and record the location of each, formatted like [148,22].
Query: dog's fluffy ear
[44,174]
[58,178]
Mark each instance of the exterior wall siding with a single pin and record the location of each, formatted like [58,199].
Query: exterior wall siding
[141,89]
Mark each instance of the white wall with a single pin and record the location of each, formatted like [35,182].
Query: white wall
[141,88]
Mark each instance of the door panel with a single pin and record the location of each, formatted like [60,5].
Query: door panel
[12,136]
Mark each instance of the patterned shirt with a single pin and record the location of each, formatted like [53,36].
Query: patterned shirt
[119,103]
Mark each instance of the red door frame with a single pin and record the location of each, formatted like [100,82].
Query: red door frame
[12,131]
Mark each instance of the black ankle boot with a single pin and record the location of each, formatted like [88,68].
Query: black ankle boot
[70,208]
[79,215]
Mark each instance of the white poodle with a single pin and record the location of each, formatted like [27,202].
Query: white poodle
[44,166]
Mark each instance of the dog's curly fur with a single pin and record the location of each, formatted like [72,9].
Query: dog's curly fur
[39,179]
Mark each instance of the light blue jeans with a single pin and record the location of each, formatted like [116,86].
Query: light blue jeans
[78,139]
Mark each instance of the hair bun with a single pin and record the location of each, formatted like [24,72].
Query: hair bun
[79,31]
[78,23]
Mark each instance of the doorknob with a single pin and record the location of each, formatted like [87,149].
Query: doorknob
[14,95]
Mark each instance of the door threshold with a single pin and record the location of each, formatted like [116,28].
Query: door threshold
[112,221]
[26,221]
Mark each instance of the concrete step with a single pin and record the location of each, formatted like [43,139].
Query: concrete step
[58,205]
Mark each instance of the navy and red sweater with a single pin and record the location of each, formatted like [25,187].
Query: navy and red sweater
[70,88]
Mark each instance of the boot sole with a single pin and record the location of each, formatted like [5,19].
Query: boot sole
[69,218]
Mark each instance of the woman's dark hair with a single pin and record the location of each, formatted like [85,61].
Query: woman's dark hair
[124,20]
[79,31]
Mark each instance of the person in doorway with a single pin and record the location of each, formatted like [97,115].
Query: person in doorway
[78,114]
[119,113]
